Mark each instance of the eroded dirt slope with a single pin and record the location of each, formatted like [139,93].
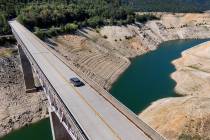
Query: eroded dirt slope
[17,108]
[103,54]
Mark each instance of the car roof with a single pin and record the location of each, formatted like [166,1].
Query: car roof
[75,79]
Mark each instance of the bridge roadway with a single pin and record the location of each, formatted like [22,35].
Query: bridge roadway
[98,119]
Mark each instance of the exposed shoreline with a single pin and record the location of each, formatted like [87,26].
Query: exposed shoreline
[104,59]
[18,108]
[129,42]
[195,61]
[121,71]
[187,116]
[117,44]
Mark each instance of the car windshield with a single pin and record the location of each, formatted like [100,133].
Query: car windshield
[75,80]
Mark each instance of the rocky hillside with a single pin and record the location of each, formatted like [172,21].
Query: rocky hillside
[102,54]
[17,107]
[185,117]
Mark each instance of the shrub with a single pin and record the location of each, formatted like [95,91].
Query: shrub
[128,37]
[52,31]
[146,17]
[97,30]
[4,27]
[130,19]
[104,36]
[71,27]
[40,33]
[95,21]
[120,23]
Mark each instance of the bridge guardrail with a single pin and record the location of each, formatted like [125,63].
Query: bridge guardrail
[153,134]
[77,130]
[149,131]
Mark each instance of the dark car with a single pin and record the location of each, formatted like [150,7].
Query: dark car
[76,82]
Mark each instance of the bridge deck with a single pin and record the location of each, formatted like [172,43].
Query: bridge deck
[99,119]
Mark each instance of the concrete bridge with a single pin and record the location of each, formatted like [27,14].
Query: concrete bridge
[84,113]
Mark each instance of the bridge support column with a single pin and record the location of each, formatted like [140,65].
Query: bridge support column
[27,71]
[58,130]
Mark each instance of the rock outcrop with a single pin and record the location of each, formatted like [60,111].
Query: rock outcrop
[186,117]
[17,107]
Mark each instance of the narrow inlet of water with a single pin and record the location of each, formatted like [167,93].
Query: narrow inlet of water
[148,77]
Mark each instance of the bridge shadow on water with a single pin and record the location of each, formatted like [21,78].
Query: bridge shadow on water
[148,77]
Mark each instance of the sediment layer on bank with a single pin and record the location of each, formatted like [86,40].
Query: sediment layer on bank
[103,54]
[107,51]
[185,117]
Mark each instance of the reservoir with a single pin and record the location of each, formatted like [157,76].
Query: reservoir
[146,80]
[37,131]
[148,77]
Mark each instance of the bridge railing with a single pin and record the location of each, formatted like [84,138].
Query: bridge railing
[153,134]
[58,106]
[149,131]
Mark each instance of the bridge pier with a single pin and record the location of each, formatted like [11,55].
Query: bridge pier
[27,71]
[58,130]
[34,83]
[63,122]
[77,114]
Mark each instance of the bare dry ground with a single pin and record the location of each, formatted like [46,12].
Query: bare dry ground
[104,54]
[97,62]
[17,107]
[186,117]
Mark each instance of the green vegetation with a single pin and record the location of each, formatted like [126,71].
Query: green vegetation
[146,17]
[7,52]
[49,17]
[5,40]
[71,27]
[60,18]
[55,14]
[169,5]
[4,27]
[84,13]
[189,137]
[52,17]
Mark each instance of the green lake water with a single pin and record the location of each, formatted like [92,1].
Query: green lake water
[146,80]
[37,131]
[148,77]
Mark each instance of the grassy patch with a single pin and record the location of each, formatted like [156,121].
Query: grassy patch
[7,52]
[189,137]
